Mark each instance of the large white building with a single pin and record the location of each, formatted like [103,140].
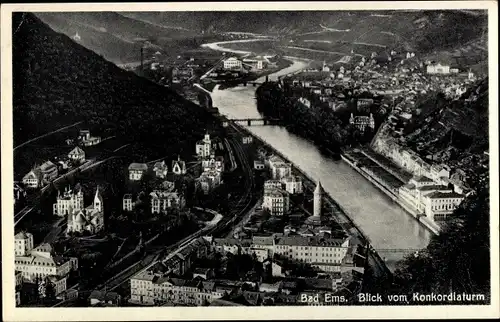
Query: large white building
[427,197]
[204,147]
[439,205]
[69,202]
[90,219]
[327,254]
[277,201]
[41,262]
[438,69]
[162,201]
[232,63]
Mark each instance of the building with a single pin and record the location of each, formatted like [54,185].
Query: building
[363,103]
[162,201]
[258,165]
[155,285]
[90,219]
[33,179]
[179,166]
[213,163]
[49,171]
[69,202]
[324,253]
[100,298]
[208,181]
[305,102]
[257,63]
[87,140]
[136,171]
[160,169]
[440,173]
[23,243]
[77,155]
[128,202]
[279,168]
[438,69]
[293,184]
[276,201]
[361,122]
[204,147]
[41,262]
[232,63]
[273,184]
[417,188]
[439,205]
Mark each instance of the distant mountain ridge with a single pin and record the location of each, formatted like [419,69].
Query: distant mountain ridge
[57,82]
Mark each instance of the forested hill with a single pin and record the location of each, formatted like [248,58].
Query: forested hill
[58,82]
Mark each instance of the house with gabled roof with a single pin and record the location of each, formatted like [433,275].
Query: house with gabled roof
[179,166]
[77,154]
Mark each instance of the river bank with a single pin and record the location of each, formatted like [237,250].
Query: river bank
[358,163]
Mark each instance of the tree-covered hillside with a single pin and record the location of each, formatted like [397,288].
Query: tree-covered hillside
[58,82]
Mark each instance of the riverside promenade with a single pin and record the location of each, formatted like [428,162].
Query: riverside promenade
[387,180]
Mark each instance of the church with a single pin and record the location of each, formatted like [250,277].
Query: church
[89,219]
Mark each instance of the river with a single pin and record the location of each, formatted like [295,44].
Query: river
[386,224]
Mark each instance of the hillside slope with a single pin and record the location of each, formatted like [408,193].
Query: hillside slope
[454,132]
[58,82]
[112,35]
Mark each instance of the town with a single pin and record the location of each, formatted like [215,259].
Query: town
[242,169]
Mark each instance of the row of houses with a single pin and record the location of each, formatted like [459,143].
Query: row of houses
[136,171]
[48,171]
[160,284]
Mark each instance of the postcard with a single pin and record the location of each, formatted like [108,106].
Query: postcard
[311,160]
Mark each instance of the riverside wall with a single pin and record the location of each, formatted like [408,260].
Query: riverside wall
[381,185]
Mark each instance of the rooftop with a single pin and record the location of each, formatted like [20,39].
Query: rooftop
[138,166]
[444,195]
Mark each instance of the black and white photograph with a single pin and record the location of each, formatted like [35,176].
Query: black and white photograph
[292,157]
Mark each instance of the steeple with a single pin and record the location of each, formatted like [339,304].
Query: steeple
[98,200]
[319,188]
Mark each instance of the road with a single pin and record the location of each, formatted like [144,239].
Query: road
[46,134]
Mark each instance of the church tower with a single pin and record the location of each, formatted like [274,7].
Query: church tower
[98,200]
[318,194]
